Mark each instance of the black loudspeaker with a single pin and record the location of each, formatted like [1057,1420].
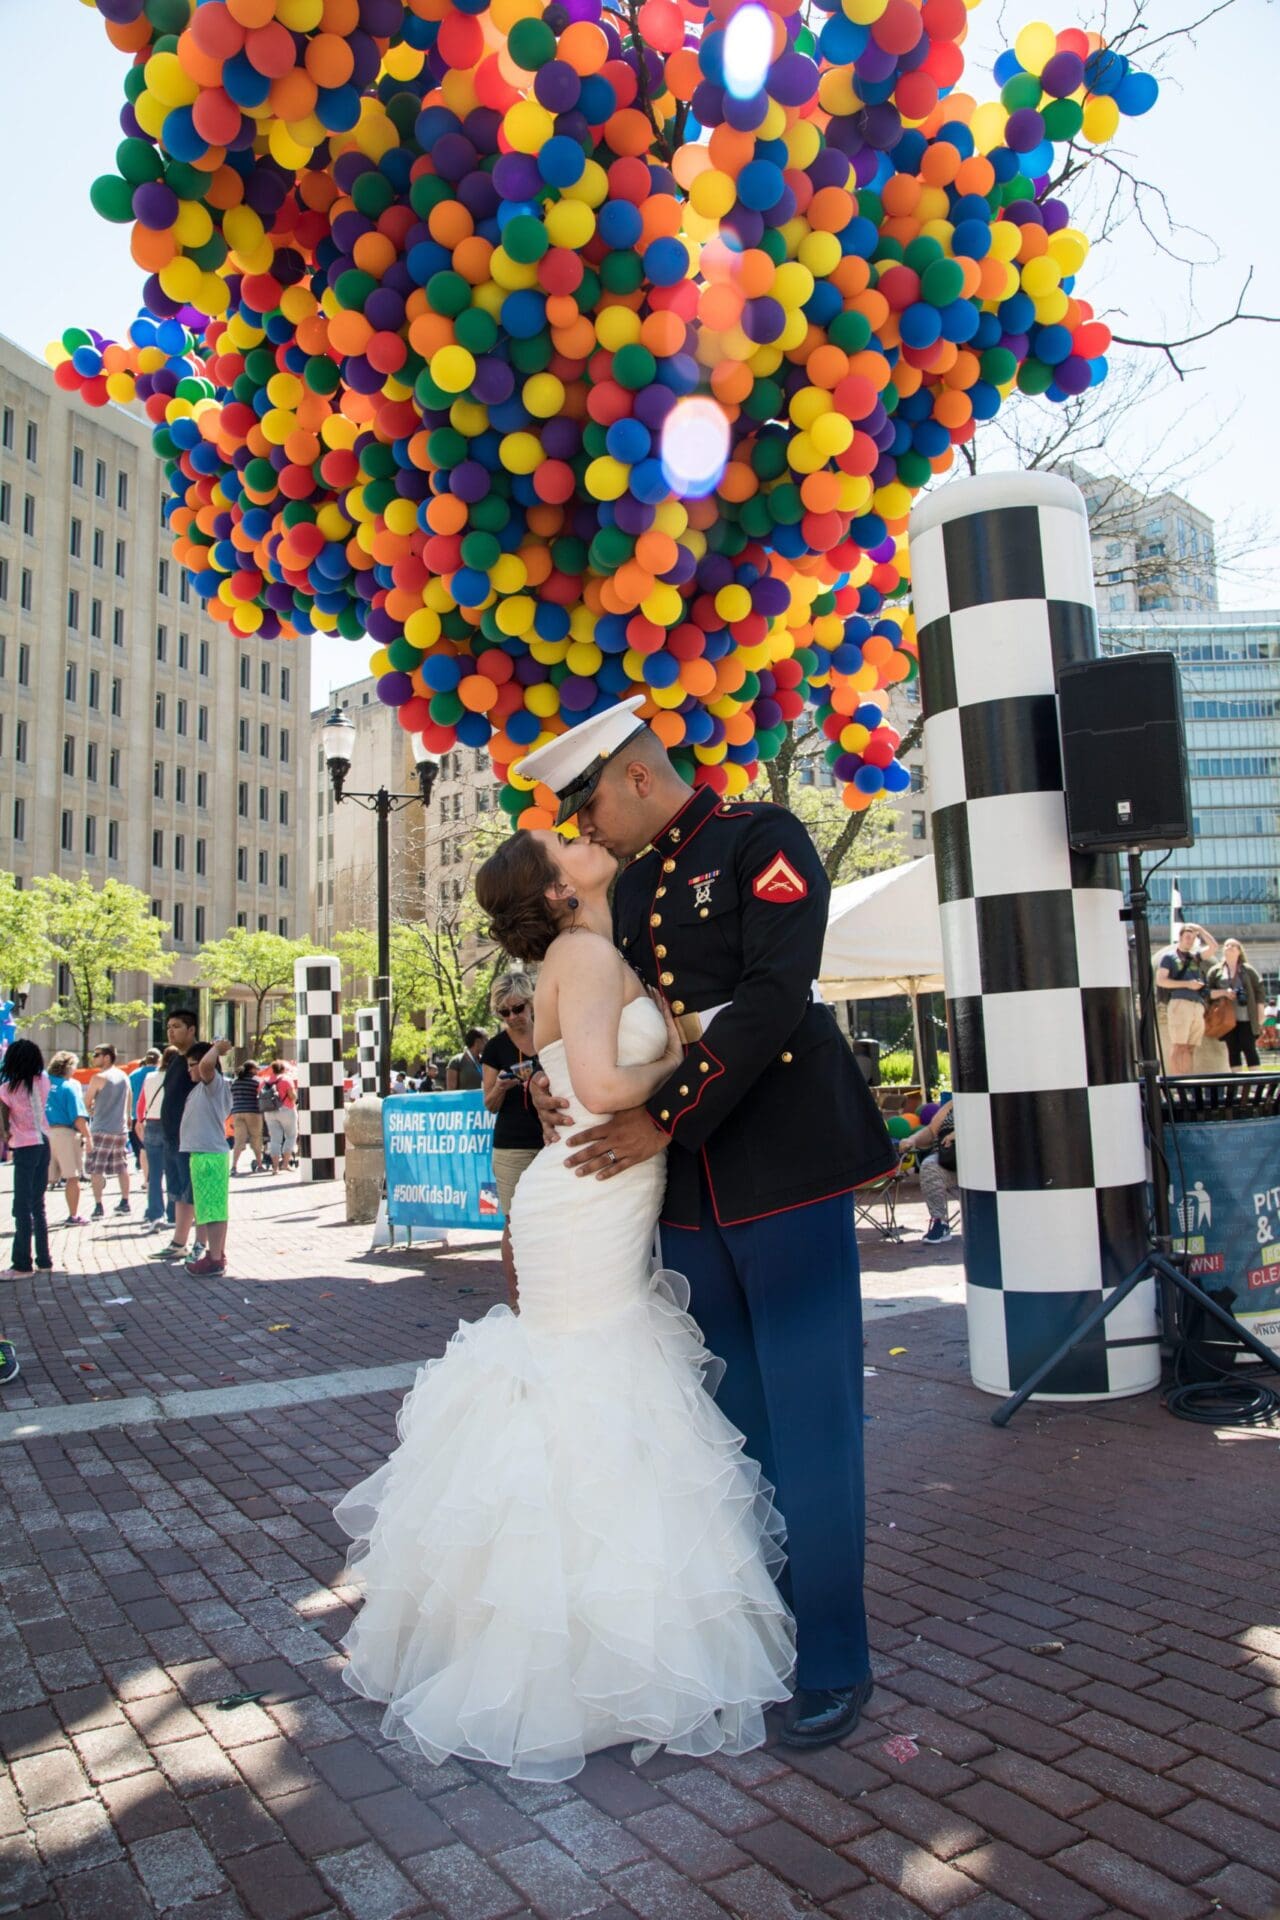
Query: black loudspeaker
[1124,753]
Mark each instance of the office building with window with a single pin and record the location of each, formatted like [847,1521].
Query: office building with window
[139,739]
[1152,553]
[1229,664]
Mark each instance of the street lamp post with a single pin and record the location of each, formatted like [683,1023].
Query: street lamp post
[338,736]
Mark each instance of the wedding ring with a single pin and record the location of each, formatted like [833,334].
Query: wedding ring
[611,1156]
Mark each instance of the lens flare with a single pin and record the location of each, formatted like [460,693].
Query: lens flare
[748,50]
[695,447]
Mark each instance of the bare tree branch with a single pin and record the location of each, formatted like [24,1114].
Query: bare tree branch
[1167,347]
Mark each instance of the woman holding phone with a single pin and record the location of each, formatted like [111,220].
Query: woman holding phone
[508,1063]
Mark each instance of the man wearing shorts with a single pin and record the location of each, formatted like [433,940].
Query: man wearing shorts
[68,1124]
[110,1112]
[181,1032]
[1182,988]
[204,1142]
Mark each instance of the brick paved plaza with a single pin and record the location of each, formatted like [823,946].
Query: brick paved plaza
[1076,1627]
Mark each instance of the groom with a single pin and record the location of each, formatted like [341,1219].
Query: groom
[768,1125]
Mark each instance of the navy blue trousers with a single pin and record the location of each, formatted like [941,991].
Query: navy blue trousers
[779,1301]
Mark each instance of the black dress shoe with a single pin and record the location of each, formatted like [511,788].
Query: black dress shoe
[818,1716]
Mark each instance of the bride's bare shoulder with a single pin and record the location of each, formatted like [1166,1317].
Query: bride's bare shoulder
[579,951]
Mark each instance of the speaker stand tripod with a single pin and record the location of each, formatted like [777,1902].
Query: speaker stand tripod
[1159,1260]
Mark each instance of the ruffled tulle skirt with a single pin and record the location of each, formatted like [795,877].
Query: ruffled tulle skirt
[567,1550]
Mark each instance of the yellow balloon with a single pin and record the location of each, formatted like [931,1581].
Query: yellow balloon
[1101,118]
[1035,45]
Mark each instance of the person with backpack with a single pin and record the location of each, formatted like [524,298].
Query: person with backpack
[278,1102]
[246,1117]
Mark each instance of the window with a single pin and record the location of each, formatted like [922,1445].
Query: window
[75,543]
[26,590]
[199,926]
[117,698]
[157,847]
[162,643]
[24,664]
[113,767]
[73,609]
[284,746]
[1117,603]
[99,547]
[29,516]
[242,800]
[282,927]
[264,678]
[242,919]
[282,871]
[77,466]
[179,786]
[202,723]
[284,808]
[68,836]
[184,650]
[95,689]
[242,865]
[202,850]
[182,717]
[100,479]
[244,736]
[3,648]
[262,923]
[19,819]
[113,839]
[202,790]
[179,922]
[6,429]
[160,713]
[6,504]
[95,619]
[157,910]
[919,831]
[91,835]
[91,762]
[68,753]
[33,442]
[204,659]
[482,800]
[122,492]
[71,682]
[184,590]
[117,627]
[264,803]
[263,867]
[264,741]
[245,672]
[286,684]
[4,579]
[20,743]
[121,554]
[179,852]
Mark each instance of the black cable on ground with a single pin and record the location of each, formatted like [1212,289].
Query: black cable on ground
[1224,1403]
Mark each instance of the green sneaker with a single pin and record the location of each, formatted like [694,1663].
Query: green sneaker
[9,1368]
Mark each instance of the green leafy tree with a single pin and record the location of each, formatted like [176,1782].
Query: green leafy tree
[260,964]
[25,959]
[98,933]
[412,975]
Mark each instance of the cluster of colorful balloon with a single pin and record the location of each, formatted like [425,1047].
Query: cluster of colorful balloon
[569,355]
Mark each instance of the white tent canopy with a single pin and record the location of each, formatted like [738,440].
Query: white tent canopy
[884,935]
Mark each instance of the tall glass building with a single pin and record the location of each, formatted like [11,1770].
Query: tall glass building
[1229,665]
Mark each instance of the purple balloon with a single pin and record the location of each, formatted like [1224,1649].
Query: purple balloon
[121,13]
[1062,74]
[155,205]
[1024,130]
[394,689]
[792,80]
[1074,374]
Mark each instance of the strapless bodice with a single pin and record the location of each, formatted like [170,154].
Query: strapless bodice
[642,1036]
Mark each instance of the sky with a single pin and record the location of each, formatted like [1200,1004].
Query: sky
[1203,144]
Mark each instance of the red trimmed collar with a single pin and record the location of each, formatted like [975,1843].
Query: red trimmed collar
[696,811]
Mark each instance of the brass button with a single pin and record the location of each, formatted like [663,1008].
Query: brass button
[661,894]
[684,1090]
[664,1115]
[677,1006]
[786,1059]
[661,952]
[703,912]
[704,1066]
[668,866]
[674,834]
[668,979]
[626,939]
[655,919]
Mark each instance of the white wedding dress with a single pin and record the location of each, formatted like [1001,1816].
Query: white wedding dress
[569,1549]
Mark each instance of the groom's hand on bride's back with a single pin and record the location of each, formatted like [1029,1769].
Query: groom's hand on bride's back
[551,1110]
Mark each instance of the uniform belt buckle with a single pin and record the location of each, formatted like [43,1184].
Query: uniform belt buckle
[689,1026]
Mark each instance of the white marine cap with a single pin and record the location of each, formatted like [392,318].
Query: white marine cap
[572,763]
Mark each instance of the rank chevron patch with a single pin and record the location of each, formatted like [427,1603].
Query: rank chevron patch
[779,882]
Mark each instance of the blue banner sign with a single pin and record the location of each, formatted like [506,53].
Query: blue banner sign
[439,1149]
[1226,1215]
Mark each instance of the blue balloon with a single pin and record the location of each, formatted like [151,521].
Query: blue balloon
[1137,94]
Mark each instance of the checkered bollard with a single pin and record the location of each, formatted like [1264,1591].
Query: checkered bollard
[1049,1141]
[368,1027]
[317,982]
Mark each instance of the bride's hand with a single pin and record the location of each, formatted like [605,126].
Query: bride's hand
[675,1045]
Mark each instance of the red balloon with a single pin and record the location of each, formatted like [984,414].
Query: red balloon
[944,19]
[899,27]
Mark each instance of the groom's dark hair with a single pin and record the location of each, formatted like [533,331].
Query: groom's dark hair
[511,887]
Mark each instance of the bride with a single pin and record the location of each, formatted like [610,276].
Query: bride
[569,1549]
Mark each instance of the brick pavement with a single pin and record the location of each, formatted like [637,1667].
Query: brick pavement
[1068,1723]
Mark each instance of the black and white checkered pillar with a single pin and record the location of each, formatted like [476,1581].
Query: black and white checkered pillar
[367,1035]
[317,983]
[1050,1153]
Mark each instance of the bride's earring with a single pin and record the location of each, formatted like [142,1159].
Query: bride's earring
[572,903]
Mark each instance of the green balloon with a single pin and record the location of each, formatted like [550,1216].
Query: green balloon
[480,550]
[850,332]
[446,709]
[1022,91]
[74,337]
[532,356]
[352,288]
[112,197]
[621,272]
[403,656]
[531,43]
[512,801]
[372,193]
[634,367]
[322,374]
[448,294]
[525,239]
[942,282]
[138,161]
[476,330]
[185,181]
[1034,377]
[169,16]
[1063,119]
[998,365]
[428,190]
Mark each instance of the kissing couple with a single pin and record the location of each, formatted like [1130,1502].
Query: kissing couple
[576,1542]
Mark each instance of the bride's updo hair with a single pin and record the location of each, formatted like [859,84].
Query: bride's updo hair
[511,887]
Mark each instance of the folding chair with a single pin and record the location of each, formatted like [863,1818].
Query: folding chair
[875,1205]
